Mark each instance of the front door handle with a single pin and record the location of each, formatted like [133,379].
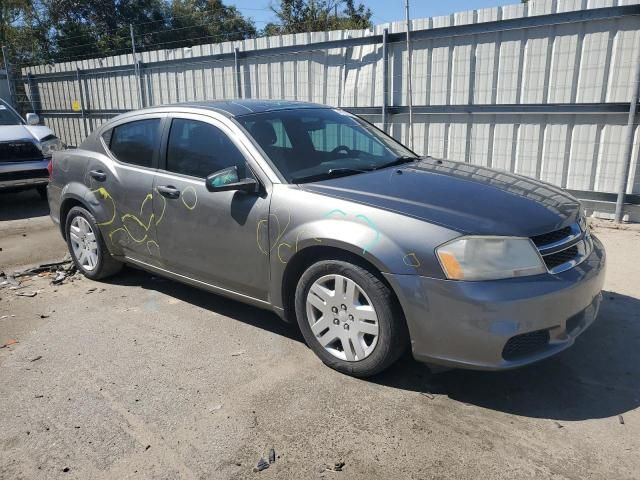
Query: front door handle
[168,191]
[98,175]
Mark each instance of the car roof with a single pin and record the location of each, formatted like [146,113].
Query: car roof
[238,108]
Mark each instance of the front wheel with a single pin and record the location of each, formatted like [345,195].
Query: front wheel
[87,247]
[349,318]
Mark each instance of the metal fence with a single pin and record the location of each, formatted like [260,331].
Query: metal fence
[541,89]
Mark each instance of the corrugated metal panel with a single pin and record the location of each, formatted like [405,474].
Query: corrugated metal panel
[552,63]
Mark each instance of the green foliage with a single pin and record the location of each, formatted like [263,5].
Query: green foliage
[297,16]
[42,31]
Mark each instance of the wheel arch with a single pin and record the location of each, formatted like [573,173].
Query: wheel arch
[65,207]
[306,257]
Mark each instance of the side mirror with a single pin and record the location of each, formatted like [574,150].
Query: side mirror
[227,179]
[33,119]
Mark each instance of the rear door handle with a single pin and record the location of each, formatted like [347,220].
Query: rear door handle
[168,191]
[98,175]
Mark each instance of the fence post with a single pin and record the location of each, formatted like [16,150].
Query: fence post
[8,74]
[83,111]
[628,146]
[136,67]
[409,81]
[236,63]
[385,77]
[32,92]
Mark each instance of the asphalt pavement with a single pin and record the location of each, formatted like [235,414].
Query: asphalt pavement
[140,377]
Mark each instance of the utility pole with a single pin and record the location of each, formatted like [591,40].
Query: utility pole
[409,82]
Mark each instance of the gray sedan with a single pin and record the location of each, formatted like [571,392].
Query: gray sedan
[315,214]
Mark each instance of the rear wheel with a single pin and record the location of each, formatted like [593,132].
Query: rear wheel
[349,318]
[87,247]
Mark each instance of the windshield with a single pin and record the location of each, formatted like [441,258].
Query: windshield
[312,144]
[7,117]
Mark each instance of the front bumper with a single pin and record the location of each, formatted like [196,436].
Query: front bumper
[500,324]
[23,174]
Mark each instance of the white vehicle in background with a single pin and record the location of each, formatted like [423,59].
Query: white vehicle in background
[25,151]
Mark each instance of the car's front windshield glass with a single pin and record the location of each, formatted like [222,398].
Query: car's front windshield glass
[7,117]
[309,144]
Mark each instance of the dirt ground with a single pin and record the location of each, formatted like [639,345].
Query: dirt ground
[139,377]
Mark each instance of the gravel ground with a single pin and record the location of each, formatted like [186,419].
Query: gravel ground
[140,377]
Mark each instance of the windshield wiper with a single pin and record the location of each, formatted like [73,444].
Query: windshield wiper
[332,173]
[398,161]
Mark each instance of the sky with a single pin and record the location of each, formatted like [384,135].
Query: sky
[383,10]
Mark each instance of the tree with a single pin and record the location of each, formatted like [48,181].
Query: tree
[23,31]
[90,28]
[296,16]
[202,21]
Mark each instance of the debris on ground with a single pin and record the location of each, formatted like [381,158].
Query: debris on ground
[272,456]
[8,280]
[621,419]
[559,425]
[59,278]
[36,358]
[337,467]
[9,342]
[261,465]
[61,271]
[27,294]
[91,290]
[428,395]
[237,354]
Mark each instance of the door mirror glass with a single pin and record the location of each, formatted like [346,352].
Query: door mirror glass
[227,179]
[33,119]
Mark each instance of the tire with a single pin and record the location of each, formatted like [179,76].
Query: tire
[42,191]
[371,293]
[104,265]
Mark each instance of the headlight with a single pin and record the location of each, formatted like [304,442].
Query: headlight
[490,258]
[51,145]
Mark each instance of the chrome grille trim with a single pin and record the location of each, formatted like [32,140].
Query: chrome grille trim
[562,244]
[577,239]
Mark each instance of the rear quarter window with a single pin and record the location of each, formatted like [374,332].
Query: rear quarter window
[134,142]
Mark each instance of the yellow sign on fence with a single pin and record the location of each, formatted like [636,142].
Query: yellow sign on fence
[75,105]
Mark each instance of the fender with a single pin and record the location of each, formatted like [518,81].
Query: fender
[392,245]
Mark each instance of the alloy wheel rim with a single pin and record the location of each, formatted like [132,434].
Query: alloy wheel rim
[83,243]
[342,318]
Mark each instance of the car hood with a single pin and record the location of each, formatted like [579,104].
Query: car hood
[467,198]
[22,132]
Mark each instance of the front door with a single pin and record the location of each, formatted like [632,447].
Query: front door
[209,236]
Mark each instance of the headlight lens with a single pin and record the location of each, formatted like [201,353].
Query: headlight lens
[50,146]
[489,258]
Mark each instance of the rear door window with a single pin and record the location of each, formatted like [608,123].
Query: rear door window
[135,142]
[199,149]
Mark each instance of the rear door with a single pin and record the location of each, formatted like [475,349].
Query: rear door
[209,236]
[124,185]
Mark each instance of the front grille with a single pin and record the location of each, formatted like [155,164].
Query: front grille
[554,260]
[564,248]
[525,344]
[551,237]
[19,151]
